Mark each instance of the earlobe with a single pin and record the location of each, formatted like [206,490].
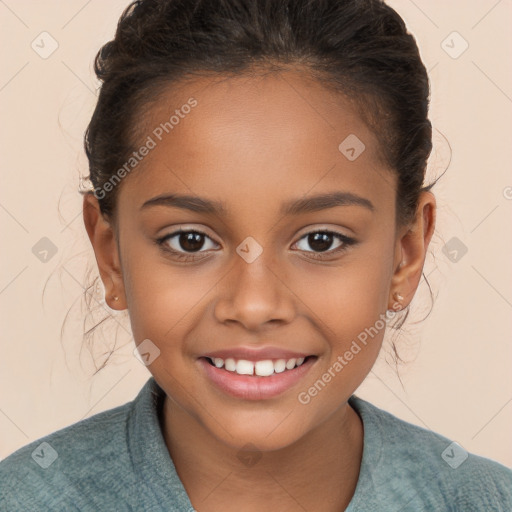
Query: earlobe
[103,240]
[410,252]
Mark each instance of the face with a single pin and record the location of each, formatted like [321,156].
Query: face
[288,251]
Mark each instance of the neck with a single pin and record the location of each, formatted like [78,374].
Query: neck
[319,472]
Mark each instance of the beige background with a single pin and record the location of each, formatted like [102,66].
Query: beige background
[458,379]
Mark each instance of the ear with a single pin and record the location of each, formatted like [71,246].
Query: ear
[410,252]
[103,240]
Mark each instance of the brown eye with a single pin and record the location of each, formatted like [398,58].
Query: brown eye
[322,241]
[186,241]
[191,241]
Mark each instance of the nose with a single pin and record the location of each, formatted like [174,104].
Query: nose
[254,294]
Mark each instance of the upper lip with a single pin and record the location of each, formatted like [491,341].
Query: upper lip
[255,354]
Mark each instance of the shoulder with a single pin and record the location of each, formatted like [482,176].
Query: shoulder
[429,468]
[49,473]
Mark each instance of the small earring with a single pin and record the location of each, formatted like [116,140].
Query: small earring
[115,297]
[398,297]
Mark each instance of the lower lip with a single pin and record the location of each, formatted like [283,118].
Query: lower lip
[252,387]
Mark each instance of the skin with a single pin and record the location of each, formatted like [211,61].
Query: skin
[254,143]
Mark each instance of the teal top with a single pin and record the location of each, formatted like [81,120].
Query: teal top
[118,460]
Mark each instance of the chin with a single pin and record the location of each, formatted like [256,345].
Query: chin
[264,433]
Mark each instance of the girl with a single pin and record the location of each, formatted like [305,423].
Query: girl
[258,206]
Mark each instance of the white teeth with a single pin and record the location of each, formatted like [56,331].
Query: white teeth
[290,363]
[262,368]
[244,367]
[280,366]
[230,365]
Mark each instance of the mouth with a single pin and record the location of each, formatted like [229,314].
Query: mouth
[255,379]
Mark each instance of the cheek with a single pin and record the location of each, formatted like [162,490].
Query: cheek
[348,304]
[161,296]
[162,301]
[346,298]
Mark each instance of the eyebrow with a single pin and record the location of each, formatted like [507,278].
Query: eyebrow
[294,207]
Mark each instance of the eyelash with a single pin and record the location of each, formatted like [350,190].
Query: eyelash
[347,242]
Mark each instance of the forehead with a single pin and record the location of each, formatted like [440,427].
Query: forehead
[250,137]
